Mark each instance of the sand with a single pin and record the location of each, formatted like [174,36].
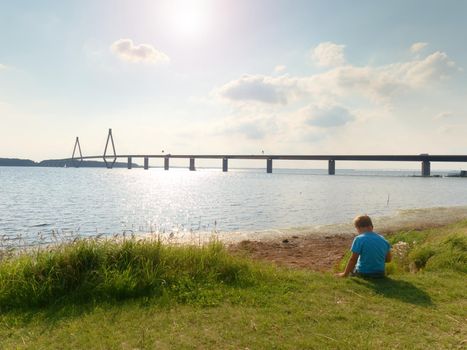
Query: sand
[321,248]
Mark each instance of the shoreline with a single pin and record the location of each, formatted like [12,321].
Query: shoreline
[318,247]
[415,219]
[403,219]
[322,248]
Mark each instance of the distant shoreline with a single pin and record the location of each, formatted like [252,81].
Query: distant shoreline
[53,163]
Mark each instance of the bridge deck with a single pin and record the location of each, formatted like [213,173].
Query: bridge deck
[395,158]
[425,159]
[110,159]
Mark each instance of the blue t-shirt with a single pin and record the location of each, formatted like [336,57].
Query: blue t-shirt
[372,249]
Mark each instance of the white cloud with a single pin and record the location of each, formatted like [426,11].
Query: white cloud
[296,112]
[259,88]
[280,68]
[334,97]
[328,54]
[436,66]
[327,116]
[378,84]
[368,82]
[417,47]
[3,67]
[126,50]
[384,82]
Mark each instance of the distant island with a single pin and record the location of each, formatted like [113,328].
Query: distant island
[60,163]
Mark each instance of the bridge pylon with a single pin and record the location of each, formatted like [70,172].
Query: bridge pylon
[77,146]
[110,138]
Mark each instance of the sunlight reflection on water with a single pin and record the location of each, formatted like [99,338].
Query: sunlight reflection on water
[35,201]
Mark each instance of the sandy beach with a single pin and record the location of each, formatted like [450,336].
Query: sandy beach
[318,248]
[321,248]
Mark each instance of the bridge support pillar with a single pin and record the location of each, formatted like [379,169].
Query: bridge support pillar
[331,167]
[426,168]
[129,162]
[192,164]
[225,164]
[166,163]
[146,163]
[269,166]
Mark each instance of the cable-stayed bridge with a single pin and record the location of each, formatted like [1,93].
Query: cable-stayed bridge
[110,156]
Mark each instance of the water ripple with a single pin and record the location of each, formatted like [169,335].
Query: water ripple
[43,202]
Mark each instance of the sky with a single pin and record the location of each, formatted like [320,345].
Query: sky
[233,77]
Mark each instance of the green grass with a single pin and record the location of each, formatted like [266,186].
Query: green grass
[93,270]
[435,249]
[136,295]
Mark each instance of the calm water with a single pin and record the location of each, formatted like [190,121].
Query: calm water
[43,201]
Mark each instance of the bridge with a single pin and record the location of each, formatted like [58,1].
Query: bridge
[110,159]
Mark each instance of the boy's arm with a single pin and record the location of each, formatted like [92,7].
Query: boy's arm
[388,257]
[350,265]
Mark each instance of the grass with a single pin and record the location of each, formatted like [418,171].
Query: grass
[434,249]
[90,270]
[145,295]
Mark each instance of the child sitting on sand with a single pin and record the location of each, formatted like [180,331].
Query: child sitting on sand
[370,251]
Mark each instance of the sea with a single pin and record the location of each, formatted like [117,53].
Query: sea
[39,204]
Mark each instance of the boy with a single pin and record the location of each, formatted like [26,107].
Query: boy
[370,251]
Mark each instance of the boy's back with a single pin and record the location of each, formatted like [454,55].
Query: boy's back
[372,249]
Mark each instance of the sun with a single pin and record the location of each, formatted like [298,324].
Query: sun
[191,21]
[189,18]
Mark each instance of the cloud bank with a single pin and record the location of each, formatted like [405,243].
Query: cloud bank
[338,97]
[126,50]
[328,54]
[377,83]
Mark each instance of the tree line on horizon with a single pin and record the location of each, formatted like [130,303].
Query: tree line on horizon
[59,163]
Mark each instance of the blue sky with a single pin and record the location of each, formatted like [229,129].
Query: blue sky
[212,76]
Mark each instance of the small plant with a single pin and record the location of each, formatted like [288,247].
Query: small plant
[400,255]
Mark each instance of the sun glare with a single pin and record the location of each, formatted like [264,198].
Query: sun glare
[189,18]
